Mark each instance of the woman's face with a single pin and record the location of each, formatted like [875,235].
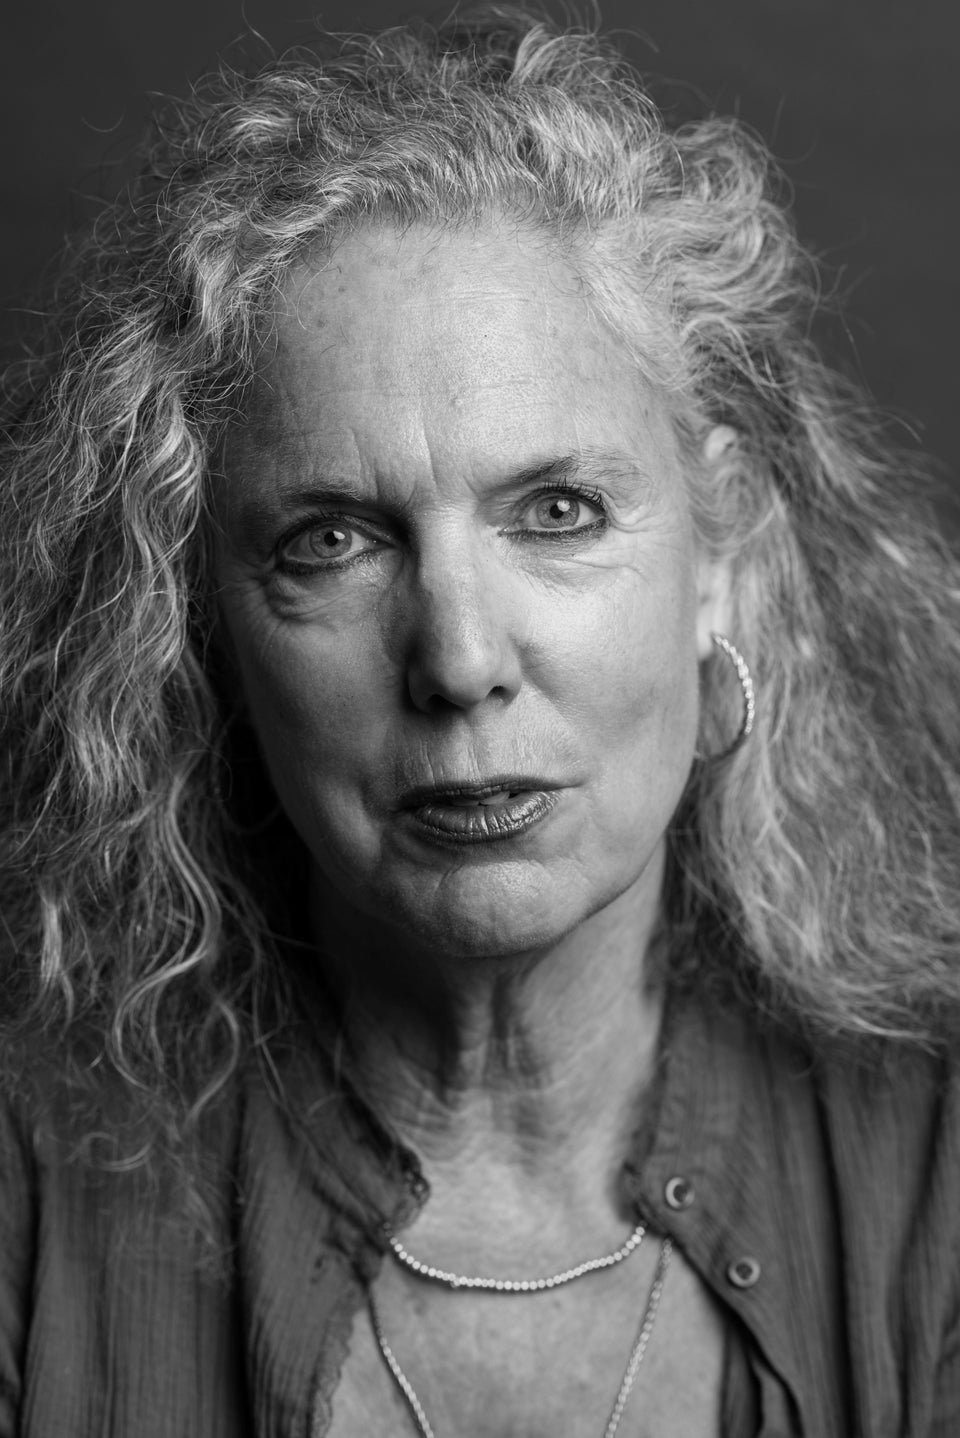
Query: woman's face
[459,576]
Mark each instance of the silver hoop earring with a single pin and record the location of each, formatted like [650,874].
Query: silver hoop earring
[749,697]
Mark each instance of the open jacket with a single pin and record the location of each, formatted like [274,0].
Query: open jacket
[819,1199]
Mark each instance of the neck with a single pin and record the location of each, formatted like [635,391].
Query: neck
[527,1069]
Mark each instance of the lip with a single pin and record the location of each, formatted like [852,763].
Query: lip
[446,814]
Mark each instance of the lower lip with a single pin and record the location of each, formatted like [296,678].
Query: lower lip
[484,823]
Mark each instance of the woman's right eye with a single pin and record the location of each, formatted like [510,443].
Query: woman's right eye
[325,543]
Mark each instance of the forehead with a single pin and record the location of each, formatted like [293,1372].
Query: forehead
[478,346]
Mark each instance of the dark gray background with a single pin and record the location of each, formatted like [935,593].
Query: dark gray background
[860,100]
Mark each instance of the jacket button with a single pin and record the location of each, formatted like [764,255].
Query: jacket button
[678,1192]
[743,1272]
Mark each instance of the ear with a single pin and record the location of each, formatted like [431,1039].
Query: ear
[714,575]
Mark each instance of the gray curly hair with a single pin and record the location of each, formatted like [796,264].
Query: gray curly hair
[819,864]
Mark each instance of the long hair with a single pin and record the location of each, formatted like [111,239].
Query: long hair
[820,862]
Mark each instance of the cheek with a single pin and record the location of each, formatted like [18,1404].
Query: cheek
[638,673]
[320,731]
[316,696]
[647,717]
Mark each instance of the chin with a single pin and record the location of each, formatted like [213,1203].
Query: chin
[487,920]
[463,937]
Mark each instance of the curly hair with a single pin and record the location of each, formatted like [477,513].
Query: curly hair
[819,863]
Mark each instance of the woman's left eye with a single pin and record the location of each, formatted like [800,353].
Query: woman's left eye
[563,512]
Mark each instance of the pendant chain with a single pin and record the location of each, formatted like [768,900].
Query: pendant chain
[633,1362]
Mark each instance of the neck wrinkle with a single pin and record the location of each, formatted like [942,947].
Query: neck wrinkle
[523,1071]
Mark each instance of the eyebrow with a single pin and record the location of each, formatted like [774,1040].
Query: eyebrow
[628,480]
[562,468]
[588,461]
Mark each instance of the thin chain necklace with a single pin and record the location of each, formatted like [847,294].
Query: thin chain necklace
[532,1286]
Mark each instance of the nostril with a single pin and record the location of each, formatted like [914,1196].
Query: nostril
[438,695]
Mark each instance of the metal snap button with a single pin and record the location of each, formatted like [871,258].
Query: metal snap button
[679,1192]
[743,1272]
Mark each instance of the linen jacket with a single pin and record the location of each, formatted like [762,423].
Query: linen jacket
[817,1197]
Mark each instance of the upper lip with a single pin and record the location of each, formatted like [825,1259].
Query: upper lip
[422,794]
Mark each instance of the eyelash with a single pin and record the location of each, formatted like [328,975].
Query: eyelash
[563,536]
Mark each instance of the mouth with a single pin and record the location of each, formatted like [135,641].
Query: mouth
[480,813]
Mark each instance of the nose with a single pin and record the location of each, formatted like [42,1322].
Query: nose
[463,642]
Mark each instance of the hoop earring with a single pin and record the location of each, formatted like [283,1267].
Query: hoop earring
[749,697]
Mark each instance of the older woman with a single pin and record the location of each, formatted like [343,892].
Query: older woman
[481,820]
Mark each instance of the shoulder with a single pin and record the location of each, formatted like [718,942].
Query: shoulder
[106,1269]
[894,1109]
[894,1123]
[894,1139]
[19,1220]
[861,1147]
